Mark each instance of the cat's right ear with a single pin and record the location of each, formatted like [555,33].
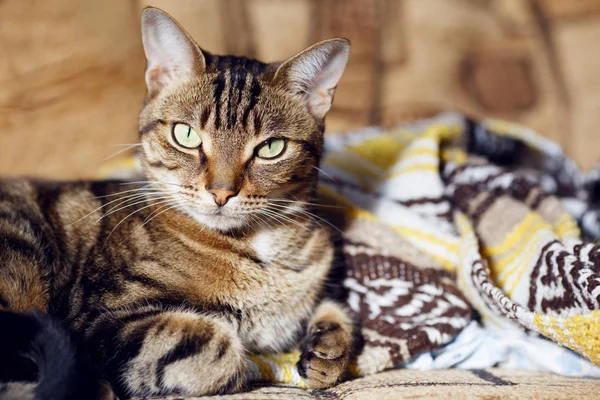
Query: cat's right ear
[171,54]
[314,73]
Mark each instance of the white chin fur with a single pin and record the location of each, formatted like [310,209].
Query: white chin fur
[220,222]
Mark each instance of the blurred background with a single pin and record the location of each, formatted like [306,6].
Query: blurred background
[71,71]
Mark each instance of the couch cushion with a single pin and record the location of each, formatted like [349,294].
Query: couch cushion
[472,384]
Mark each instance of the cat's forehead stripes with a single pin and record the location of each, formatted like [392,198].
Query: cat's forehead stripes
[222,63]
[236,92]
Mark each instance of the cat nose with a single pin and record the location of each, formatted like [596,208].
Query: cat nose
[222,195]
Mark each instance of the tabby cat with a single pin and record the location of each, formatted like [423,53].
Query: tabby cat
[171,282]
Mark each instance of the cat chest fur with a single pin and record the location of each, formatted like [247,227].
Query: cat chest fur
[272,282]
[299,271]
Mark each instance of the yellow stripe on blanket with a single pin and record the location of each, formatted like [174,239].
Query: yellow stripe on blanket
[510,271]
[425,145]
[441,250]
[441,132]
[530,222]
[366,174]
[417,168]
[277,368]
[531,241]
[566,227]
[579,332]
[455,155]
[381,151]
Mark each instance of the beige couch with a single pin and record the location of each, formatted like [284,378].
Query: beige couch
[71,79]
[445,384]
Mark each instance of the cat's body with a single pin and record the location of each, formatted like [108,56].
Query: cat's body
[172,282]
[263,285]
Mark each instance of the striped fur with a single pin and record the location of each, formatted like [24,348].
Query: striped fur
[168,291]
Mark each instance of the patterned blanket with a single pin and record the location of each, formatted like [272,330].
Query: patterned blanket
[447,220]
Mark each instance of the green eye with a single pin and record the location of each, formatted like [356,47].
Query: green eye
[270,148]
[186,137]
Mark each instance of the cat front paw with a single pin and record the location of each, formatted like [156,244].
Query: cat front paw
[325,355]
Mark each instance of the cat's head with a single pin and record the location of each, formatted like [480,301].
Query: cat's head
[229,140]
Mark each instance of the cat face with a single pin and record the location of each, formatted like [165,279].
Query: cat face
[230,141]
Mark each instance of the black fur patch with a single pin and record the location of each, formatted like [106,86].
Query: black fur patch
[38,347]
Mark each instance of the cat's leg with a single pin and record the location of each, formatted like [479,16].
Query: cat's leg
[154,352]
[327,347]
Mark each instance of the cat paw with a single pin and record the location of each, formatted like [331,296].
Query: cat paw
[325,355]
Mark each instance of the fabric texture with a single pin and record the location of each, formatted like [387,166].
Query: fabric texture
[444,216]
[453,384]
[479,347]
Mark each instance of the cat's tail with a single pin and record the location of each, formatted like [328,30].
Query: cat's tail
[36,347]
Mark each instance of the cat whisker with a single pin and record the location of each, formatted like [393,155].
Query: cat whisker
[154,182]
[284,219]
[254,219]
[324,173]
[305,203]
[149,217]
[273,218]
[153,215]
[131,214]
[308,214]
[279,223]
[140,189]
[296,212]
[131,204]
[139,198]
[122,151]
[315,216]
[280,217]
[133,197]
[267,226]
[127,198]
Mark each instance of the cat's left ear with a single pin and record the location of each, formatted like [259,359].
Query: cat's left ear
[314,73]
